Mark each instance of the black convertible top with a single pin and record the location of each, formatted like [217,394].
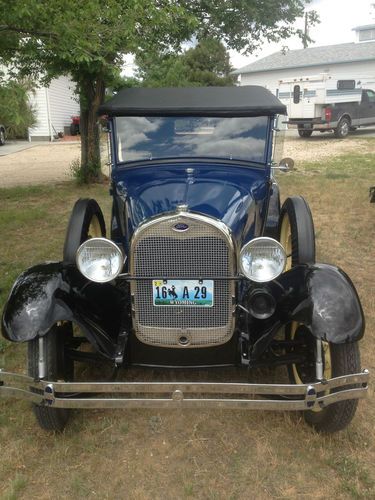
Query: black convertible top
[250,100]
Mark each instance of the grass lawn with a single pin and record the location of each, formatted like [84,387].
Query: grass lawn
[142,454]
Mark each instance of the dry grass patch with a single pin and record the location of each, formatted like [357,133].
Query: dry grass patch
[144,454]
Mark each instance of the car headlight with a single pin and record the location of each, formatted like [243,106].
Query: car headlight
[99,260]
[262,259]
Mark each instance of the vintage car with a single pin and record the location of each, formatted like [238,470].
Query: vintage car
[202,269]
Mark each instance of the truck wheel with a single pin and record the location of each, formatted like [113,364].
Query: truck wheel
[338,360]
[2,137]
[86,221]
[58,367]
[304,133]
[343,128]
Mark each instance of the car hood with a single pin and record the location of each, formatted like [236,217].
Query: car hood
[236,195]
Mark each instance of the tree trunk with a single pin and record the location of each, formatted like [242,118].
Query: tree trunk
[91,96]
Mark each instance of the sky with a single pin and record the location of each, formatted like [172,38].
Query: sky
[337,19]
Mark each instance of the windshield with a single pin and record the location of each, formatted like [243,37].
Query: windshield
[149,138]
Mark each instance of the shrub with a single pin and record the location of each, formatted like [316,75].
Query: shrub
[16,112]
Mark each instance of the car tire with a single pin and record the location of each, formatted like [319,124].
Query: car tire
[86,221]
[338,360]
[344,359]
[343,128]
[304,133]
[58,367]
[2,137]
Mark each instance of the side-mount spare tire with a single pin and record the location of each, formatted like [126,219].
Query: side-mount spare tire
[86,221]
[296,232]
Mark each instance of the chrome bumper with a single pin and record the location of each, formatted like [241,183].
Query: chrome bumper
[183,394]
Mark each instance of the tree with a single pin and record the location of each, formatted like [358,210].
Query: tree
[89,39]
[86,40]
[205,65]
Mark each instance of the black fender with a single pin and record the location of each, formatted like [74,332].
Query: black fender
[323,298]
[52,292]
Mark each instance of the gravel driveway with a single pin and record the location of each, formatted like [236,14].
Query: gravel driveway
[321,146]
[38,165]
[51,162]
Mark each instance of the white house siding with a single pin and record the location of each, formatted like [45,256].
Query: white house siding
[54,108]
[63,102]
[345,71]
[39,102]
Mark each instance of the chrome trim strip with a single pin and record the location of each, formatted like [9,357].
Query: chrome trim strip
[172,394]
[128,277]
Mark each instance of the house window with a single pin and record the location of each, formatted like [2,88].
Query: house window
[365,35]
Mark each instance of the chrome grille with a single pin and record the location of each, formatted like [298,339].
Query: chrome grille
[203,250]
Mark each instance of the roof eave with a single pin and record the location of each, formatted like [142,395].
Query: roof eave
[239,72]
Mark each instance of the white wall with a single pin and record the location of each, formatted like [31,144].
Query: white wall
[39,102]
[63,102]
[270,79]
[54,108]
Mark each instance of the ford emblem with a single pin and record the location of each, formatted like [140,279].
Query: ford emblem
[181,226]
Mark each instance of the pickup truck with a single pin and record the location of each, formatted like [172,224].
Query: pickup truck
[340,117]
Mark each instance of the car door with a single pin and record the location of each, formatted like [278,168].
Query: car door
[367,111]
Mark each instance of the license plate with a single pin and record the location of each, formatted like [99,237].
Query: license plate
[187,293]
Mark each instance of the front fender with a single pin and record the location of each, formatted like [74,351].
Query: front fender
[323,298]
[33,305]
[48,293]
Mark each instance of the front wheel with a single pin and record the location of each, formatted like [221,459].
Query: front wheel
[58,366]
[343,128]
[338,360]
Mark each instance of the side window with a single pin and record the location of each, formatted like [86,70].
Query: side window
[346,84]
[296,94]
[370,95]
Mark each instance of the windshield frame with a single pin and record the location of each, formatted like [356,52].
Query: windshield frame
[264,163]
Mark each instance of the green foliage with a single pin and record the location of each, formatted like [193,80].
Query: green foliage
[88,40]
[16,112]
[246,24]
[205,65]
[86,174]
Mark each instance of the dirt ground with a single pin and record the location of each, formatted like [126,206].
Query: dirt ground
[47,163]
[38,165]
[321,146]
